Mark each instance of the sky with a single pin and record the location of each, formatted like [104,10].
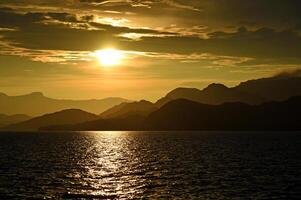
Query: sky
[53,46]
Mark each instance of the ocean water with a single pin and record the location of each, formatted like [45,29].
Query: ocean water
[150,165]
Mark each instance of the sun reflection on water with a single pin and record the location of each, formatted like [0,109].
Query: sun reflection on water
[147,165]
[108,165]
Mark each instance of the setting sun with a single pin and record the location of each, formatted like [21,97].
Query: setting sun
[150,99]
[109,57]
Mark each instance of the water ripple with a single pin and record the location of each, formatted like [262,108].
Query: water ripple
[162,165]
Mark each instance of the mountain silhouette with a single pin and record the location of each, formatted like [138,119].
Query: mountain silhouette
[70,116]
[262,104]
[182,114]
[131,122]
[125,116]
[36,104]
[276,88]
[213,94]
[6,120]
[253,92]
[142,108]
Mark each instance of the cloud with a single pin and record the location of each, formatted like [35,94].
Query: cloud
[59,31]
[55,31]
[176,40]
[68,31]
[216,15]
[142,3]
[261,43]
[288,73]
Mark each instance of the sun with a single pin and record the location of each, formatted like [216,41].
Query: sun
[109,57]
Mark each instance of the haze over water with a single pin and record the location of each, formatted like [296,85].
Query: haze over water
[166,165]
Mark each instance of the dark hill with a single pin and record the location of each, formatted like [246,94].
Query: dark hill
[71,116]
[183,114]
[141,108]
[275,88]
[130,123]
[187,115]
[214,94]
[36,104]
[253,92]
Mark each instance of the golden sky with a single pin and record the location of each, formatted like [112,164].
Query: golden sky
[141,49]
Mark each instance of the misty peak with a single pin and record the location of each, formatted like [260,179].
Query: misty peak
[216,86]
[182,91]
[36,94]
[145,102]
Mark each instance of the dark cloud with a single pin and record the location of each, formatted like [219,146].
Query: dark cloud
[214,13]
[289,74]
[270,13]
[65,17]
[81,33]
[260,43]
[33,32]
[259,10]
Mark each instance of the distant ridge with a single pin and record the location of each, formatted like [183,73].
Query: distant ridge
[277,88]
[266,103]
[182,114]
[35,104]
[214,94]
[70,116]
[142,108]
[253,92]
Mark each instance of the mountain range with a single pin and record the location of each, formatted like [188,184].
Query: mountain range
[254,104]
[70,116]
[253,92]
[182,114]
[36,104]
[139,108]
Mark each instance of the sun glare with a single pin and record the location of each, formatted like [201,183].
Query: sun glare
[109,57]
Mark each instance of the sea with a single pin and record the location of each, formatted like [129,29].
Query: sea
[150,165]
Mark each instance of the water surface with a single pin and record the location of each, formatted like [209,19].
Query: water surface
[150,165]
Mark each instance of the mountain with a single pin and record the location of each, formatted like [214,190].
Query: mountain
[274,88]
[142,108]
[70,116]
[182,114]
[253,92]
[130,123]
[6,120]
[213,94]
[36,104]
[262,104]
